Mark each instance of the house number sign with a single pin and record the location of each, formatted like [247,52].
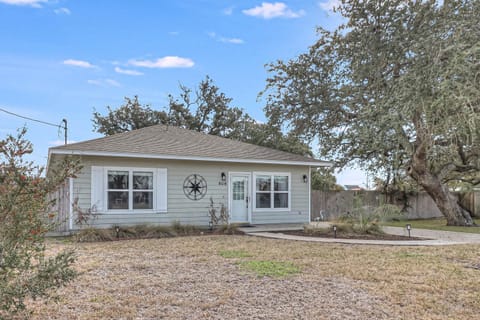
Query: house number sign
[195,187]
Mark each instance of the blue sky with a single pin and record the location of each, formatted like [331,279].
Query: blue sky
[63,58]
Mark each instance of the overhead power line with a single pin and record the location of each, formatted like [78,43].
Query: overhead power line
[31,119]
[64,126]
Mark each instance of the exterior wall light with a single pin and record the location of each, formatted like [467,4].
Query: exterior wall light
[334,231]
[305,178]
[223,176]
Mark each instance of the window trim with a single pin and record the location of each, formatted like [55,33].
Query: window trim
[272,192]
[130,190]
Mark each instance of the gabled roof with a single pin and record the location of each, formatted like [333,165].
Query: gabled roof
[168,142]
[353,187]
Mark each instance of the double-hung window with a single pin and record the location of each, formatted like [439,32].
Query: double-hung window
[129,189]
[272,191]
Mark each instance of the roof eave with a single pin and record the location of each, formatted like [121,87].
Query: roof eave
[317,163]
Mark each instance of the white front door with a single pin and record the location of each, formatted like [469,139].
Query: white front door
[239,197]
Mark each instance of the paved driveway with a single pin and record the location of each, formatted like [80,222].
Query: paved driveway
[432,237]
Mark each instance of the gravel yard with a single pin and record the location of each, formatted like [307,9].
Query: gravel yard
[187,278]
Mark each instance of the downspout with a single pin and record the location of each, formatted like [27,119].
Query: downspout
[70,207]
[309,194]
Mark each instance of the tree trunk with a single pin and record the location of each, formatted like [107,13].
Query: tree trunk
[446,202]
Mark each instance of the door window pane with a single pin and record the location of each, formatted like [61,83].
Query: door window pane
[118,180]
[263,200]
[117,200]
[280,200]
[143,200]
[238,190]
[263,183]
[143,180]
[281,183]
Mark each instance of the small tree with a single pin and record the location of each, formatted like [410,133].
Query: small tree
[324,180]
[25,212]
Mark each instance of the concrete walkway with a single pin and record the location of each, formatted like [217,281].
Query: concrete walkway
[432,237]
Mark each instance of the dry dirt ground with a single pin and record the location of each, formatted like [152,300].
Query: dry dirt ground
[187,278]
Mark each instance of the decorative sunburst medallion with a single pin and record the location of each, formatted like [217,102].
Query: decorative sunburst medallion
[195,187]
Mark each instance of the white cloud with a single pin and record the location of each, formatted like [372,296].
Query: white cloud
[104,83]
[112,83]
[329,5]
[31,3]
[232,40]
[273,10]
[65,11]
[78,63]
[213,35]
[174,33]
[165,62]
[128,72]
[228,11]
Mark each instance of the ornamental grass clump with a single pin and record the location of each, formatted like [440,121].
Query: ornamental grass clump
[144,231]
[368,220]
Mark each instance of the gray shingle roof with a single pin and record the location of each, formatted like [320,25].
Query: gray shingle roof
[170,142]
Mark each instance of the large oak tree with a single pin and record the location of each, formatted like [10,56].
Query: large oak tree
[396,87]
[203,109]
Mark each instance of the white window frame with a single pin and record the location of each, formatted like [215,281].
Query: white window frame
[272,192]
[130,190]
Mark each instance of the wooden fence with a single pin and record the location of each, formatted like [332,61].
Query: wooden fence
[328,205]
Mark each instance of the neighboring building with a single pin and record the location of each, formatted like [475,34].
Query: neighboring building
[353,187]
[162,174]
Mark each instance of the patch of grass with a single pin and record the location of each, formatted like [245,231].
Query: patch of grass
[229,254]
[268,268]
[409,255]
[434,224]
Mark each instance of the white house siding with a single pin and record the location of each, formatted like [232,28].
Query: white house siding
[179,207]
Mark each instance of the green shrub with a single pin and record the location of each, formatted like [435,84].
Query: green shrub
[25,217]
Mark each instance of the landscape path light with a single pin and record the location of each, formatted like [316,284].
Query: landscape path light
[409,228]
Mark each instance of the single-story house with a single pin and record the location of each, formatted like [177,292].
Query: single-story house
[353,187]
[164,174]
